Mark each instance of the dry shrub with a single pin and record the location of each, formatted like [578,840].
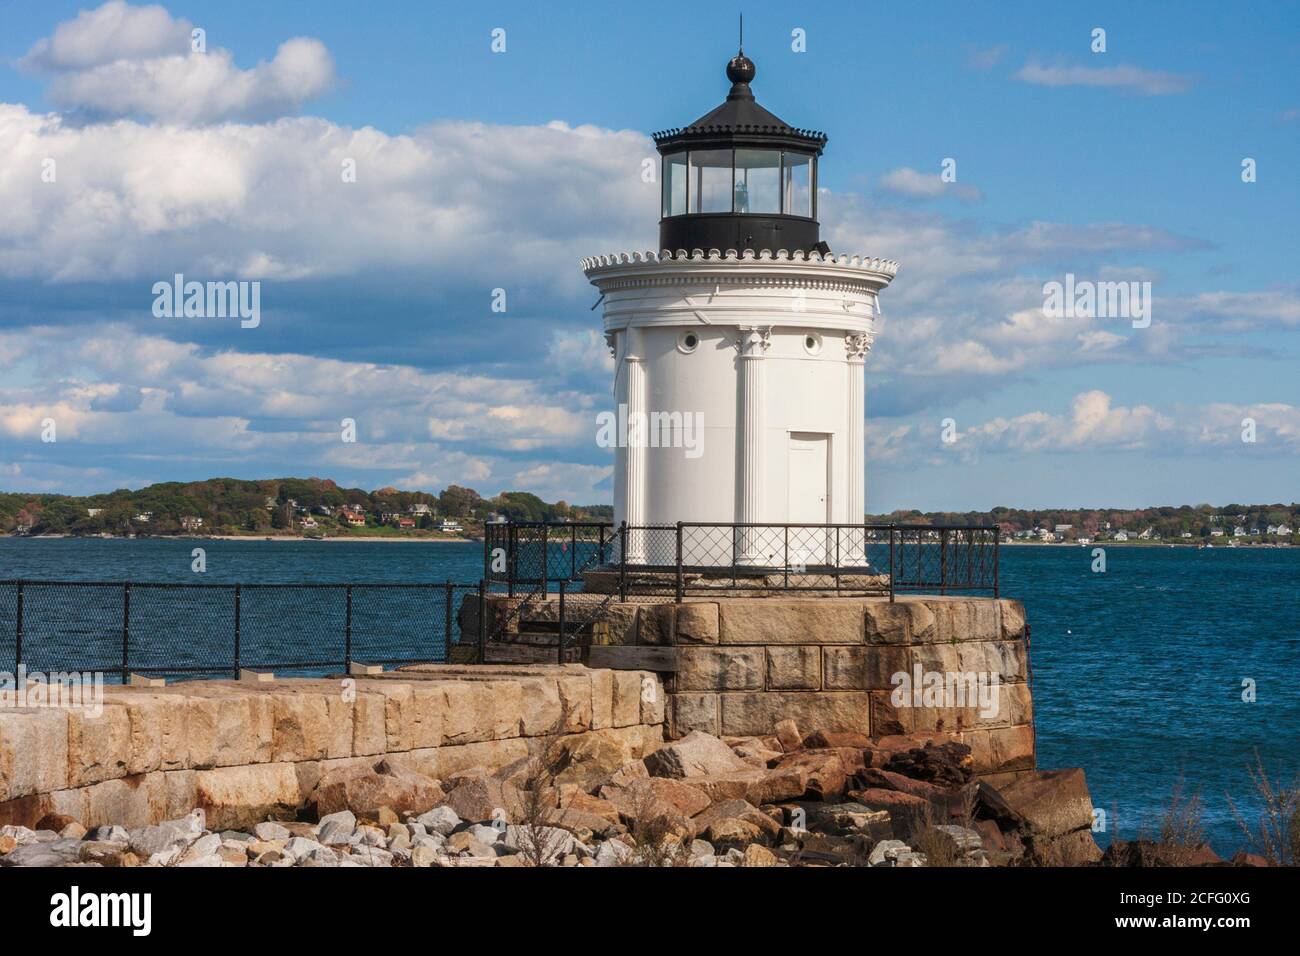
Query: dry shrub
[1275,833]
[1182,832]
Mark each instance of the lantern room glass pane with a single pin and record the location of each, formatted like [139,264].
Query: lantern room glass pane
[798,185]
[675,184]
[758,181]
[710,183]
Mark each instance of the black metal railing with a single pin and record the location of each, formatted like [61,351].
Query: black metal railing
[216,630]
[153,628]
[696,556]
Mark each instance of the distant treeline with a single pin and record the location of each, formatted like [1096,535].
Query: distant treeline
[284,505]
[1198,521]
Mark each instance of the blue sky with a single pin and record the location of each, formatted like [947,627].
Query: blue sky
[481,170]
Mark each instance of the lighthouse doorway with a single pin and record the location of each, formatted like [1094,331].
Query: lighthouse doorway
[809,497]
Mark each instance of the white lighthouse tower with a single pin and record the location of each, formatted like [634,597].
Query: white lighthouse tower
[740,346]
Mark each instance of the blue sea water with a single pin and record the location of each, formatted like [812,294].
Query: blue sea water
[1138,672]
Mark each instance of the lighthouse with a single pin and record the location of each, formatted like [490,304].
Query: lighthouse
[740,346]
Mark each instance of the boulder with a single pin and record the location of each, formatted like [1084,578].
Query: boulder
[901,806]
[871,777]
[366,788]
[588,761]
[696,755]
[478,798]
[822,772]
[440,820]
[764,827]
[645,800]
[53,853]
[947,764]
[1057,810]
[787,732]
[758,855]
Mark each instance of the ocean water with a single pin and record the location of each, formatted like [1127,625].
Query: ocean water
[1139,672]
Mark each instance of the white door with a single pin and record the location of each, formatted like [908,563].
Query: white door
[809,496]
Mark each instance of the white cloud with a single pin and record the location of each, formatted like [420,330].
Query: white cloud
[114,31]
[185,404]
[1130,79]
[461,201]
[906,181]
[1095,424]
[125,61]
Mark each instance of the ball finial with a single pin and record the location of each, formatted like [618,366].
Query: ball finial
[740,69]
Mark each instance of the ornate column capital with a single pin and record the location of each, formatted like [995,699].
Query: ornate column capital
[754,340]
[857,345]
[611,343]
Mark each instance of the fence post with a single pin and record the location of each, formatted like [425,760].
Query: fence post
[891,564]
[997,533]
[446,633]
[126,631]
[546,562]
[573,551]
[681,580]
[482,622]
[512,558]
[347,633]
[622,563]
[237,629]
[601,562]
[18,632]
[785,547]
[561,641]
[943,560]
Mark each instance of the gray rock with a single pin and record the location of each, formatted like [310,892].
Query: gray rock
[203,846]
[701,848]
[553,843]
[271,831]
[439,820]
[964,841]
[885,853]
[109,834]
[735,856]
[335,833]
[52,853]
[371,856]
[485,834]
[22,836]
[346,817]
[161,838]
[237,836]
[299,848]
[209,859]
[370,836]
[613,853]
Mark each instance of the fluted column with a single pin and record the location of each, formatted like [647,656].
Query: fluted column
[753,433]
[634,480]
[856,345]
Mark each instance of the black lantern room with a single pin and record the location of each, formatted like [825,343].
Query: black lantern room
[740,178]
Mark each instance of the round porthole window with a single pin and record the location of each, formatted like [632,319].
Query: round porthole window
[812,343]
[688,341]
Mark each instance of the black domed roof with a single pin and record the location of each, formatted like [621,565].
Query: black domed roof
[739,120]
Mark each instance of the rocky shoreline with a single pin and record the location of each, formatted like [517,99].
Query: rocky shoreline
[822,799]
